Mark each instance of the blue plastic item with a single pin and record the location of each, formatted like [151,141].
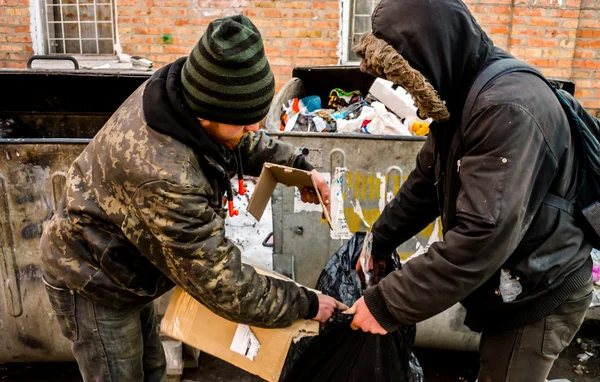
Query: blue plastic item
[311,103]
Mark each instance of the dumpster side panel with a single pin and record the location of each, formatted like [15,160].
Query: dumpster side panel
[32,177]
[365,173]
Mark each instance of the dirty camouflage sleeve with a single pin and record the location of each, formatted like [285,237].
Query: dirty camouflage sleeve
[256,148]
[176,229]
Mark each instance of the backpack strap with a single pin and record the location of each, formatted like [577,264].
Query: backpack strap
[560,203]
[491,73]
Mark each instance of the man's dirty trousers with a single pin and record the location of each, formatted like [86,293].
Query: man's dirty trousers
[528,353]
[112,345]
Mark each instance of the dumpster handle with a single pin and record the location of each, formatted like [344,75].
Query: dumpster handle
[53,58]
[12,290]
[388,182]
[59,179]
[331,154]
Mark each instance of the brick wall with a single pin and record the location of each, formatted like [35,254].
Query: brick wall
[296,33]
[15,34]
[561,37]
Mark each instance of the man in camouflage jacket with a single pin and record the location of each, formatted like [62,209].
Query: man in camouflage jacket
[143,210]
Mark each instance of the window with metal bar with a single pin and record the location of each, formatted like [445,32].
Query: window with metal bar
[80,26]
[360,22]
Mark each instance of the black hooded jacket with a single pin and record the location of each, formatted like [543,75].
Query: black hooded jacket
[486,180]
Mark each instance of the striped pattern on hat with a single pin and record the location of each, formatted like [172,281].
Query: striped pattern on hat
[227,77]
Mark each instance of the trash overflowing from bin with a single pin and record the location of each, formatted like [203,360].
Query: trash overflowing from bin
[385,110]
[341,354]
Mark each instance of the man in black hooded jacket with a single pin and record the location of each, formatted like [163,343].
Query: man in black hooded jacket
[521,267]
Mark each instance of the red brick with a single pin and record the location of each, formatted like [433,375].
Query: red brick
[568,14]
[176,49]
[499,30]
[520,11]
[146,30]
[542,43]
[592,44]
[283,70]
[584,93]
[302,15]
[296,4]
[266,4]
[589,33]
[591,104]
[281,61]
[302,62]
[304,43]
[286,33]
[314,33]
[500,10]
[295,23]
[266,23]
[21,38]
[271,13]
[276,43]
[326,24]
[323,61]
[324,43]
[543,22]
[311,53]
[542,62]
[579,73]
[11,47]
[157,21]
[325,5]
[181,22]
[272,52]
[564,63]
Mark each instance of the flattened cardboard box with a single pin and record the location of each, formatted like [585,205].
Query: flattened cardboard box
[272,174]
[192,323]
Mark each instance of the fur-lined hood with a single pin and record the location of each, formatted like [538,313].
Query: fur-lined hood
[427,45]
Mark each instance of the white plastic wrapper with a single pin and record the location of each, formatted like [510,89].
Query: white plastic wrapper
[510,288]
[364,260]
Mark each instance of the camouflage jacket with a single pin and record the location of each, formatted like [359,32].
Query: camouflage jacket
[139,215]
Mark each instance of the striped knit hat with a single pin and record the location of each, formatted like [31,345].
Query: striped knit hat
[227,77]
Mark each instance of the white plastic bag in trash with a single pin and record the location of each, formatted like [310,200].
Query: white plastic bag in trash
[385,123]
[353,125]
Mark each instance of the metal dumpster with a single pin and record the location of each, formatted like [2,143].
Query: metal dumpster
[55,114]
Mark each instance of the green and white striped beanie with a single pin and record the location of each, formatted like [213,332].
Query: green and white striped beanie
[227,77]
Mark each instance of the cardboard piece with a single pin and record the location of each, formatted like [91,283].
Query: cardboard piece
[190,322]
[272,174]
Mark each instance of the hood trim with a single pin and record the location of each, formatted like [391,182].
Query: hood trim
[385,60]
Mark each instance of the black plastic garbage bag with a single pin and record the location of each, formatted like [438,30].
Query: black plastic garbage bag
[340,354]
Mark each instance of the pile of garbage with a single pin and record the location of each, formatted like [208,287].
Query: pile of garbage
[386,110]
[590,349]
